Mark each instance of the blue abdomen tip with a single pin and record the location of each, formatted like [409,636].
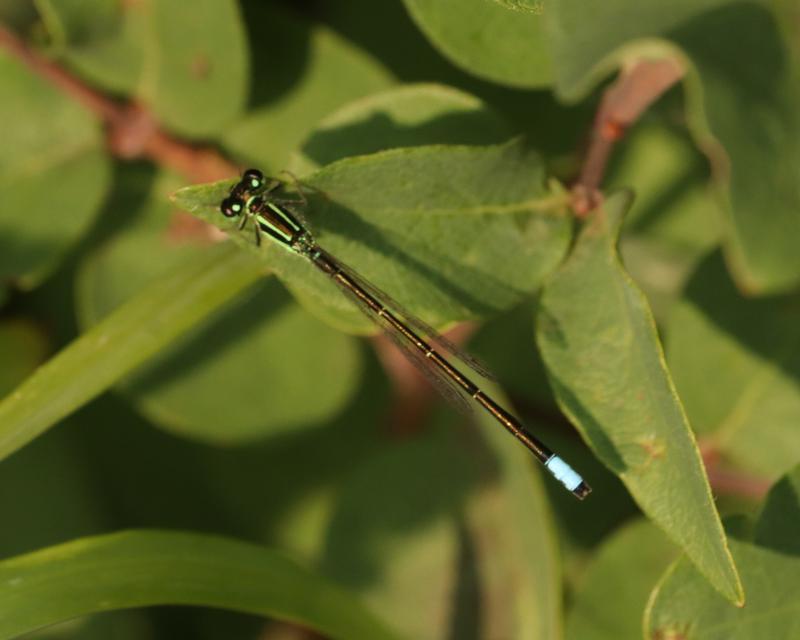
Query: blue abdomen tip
[563,473]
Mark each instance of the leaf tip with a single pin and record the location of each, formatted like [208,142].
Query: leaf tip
[741,600]
[179,197]
[737,597]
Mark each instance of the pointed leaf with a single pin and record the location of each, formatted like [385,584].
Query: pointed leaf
[683,604]
[146,568]
[425,224]
[605,364]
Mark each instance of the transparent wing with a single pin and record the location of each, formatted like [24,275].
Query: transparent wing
[422,327]
[444,385]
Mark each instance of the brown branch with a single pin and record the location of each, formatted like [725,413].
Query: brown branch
[732,482]
[131,130]
[636,88]
[736,483]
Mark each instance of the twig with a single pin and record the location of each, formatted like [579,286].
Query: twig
[728,481]
[132,131]
[735,483]
[636,88]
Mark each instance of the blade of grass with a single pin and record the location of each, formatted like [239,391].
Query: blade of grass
[128,337]
[146,568]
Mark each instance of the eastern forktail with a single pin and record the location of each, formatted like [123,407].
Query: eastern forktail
[251,200]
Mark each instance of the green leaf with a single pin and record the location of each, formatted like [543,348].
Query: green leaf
[617,584]
[53,173]
[407,116]
[283,370]
[102,40]
[196,66]
[286,488]
[146,568]
[268,350]
[290,99]
[128,337]
[742,105]
[769,564]
[394,536]
[605,364]
[750,348]
[486,39]
[426,224]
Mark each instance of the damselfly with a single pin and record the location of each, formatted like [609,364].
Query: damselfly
[253,200]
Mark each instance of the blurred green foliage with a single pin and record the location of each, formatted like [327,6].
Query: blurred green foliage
[226,440]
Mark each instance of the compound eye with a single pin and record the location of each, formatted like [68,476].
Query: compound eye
[231,207]
[252,179]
